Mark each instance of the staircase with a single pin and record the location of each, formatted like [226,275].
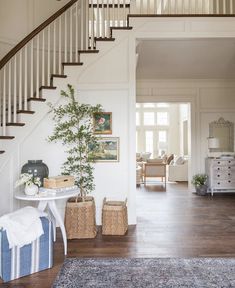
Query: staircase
[28,73]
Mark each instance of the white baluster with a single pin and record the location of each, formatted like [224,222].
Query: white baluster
[118,13]
[154,7]
[176,6]
[124,13]
[4,102]
[108,21]
[60,43]
[231,6]
[224,7]
[48,54]
[65,37]
[217,7]
[20,71]
[15,92]
[102,19]
[87,25]
[54,47]
[148,6]
[25,76]
[98,19]
[43,57]
[76,37]
[71,35]
[37,67]
[31,69]
[81,24]
[141,7]
[9,91]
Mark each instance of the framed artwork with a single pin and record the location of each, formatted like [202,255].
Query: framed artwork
[102,123]
[108,150]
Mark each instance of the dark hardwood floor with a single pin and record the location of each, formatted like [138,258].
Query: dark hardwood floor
[171,223]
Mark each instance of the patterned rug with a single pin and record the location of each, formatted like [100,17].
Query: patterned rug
[146,273]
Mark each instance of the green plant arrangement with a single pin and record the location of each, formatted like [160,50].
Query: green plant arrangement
[200,183]
[74,129]
[199,180]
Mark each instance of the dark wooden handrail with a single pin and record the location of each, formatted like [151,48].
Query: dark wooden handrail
[36,31]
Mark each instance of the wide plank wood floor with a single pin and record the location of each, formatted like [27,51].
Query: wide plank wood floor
[171,223]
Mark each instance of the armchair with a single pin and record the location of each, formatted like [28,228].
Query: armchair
[155,170]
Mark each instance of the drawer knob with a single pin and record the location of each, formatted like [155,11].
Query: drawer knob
[218,175]
[218,162]
[229,167]
[218,183]
[218,168]
[229,181]
[229,174]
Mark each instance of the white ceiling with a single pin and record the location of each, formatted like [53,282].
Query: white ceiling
[187,59]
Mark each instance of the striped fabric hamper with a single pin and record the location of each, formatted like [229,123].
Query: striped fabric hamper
[31,258]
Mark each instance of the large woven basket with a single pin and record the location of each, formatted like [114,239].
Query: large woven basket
[114,217]
[80,218]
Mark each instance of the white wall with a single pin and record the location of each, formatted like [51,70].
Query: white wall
[19,17]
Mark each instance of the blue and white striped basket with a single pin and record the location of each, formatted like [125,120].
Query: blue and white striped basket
[31,258]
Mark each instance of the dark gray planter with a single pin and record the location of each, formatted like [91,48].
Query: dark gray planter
[37,168]
[201,190]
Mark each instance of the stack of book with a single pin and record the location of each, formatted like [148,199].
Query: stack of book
[57,190]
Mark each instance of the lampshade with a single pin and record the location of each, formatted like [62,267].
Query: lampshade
[213,143]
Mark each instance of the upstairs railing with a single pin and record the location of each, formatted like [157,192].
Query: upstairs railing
[77,26]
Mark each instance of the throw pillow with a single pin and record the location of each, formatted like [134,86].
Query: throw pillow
[169,159]
[179,161]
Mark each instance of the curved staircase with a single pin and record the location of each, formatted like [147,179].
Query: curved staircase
[29,72]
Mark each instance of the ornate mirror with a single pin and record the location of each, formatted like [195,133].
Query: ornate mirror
[224,132]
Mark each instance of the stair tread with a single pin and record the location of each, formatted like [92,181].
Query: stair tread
[36,99]
[25,112]
[88,51]
[47,87]
[104,39]
[121,28]
[15,124]
[72,63]
[58,76]
[6,137]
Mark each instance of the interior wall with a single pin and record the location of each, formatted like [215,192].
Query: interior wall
[19,17]
[209,99]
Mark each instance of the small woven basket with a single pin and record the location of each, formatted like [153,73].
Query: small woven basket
[80,218]
[114,217]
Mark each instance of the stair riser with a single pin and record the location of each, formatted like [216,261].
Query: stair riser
[23,118]
[35,105]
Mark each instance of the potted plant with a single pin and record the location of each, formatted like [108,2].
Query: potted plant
[74,129]
[200,183]
[31,183]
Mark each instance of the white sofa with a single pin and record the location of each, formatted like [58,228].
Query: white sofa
[178,172]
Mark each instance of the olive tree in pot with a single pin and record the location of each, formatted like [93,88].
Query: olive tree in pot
[200,183]
[74,129]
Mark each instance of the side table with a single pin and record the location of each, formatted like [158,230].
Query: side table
[49,199]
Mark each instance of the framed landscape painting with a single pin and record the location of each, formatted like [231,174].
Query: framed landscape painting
[102,123]
[108,150]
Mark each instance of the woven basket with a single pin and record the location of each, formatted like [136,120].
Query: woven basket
[80,218]
[114,217]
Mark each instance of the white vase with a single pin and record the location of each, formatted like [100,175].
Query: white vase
[31,189]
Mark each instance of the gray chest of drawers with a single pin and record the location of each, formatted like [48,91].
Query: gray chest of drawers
[221,174]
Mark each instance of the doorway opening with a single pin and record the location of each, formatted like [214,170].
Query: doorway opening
[163,144]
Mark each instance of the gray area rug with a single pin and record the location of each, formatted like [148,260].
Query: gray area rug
[154,272]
